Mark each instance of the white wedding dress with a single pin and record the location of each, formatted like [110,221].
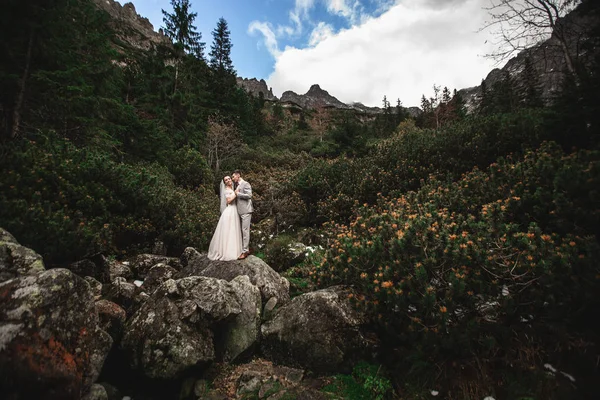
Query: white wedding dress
[226,243]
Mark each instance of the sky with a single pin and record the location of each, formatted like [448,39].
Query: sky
[357,50]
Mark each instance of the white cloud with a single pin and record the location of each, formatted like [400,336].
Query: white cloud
[269,37]
[321,32]
[351,11]
[401,53]
[300,14]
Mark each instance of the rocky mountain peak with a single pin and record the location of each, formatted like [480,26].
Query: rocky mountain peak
[255,87]
[314,98]
[315,90]
[547,60]
[131,27]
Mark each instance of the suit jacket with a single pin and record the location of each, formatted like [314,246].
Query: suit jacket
[244,198]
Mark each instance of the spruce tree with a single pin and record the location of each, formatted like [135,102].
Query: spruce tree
[532,96]
[220,50]
[179,27]
[484,106]
[401,114]
[223,73]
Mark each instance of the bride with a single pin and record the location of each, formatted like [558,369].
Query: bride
[226,243]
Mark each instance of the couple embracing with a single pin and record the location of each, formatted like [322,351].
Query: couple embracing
[232,236]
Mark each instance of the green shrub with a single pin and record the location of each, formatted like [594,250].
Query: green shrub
[66,202]
[281,254]
[404,161]
[455,269]
[189,168]
[366,382]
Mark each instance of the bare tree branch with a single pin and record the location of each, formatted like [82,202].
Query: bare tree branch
[520,24]
[223,142]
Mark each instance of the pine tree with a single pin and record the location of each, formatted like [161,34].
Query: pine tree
[220,50]
[223,73]
[484,106]
[425,104]
[532,96]
[401,114]
[446,96]
[504,98]
[458,105]
[179,27]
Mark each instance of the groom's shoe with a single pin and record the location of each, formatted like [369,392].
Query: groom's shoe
[243,255]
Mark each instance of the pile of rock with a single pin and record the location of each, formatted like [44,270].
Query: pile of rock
[168,318]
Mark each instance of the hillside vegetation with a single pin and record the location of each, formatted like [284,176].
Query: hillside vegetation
[472,239]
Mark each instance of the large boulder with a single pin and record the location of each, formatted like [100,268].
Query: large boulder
[317,330]
[174,329]
[269,282]
[17,260]
[51,346]
[243,331]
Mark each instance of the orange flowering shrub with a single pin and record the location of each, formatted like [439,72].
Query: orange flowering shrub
[457,266]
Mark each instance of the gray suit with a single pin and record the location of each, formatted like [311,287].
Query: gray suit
[244,207]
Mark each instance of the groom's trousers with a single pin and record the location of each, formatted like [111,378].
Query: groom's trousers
[246,232]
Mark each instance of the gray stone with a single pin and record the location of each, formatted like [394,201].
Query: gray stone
[97,266]
[50,339]
[95,286]
[249,382]
[317,330]
[255,87]
[268,388]
[157,275]
[292,375]
[131,28]
[97,392]
[17,260]
[112,317]
[118,269]
[269,309]
[171,331]
[269,282]
[5,236]
[190,258]
[243,331]
[314,98]
[122,292]
[111,391]
[141,264]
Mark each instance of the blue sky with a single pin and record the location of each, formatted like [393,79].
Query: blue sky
[358,50]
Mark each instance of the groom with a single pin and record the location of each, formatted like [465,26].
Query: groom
[243,192]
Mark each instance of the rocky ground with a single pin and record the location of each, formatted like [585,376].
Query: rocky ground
[159,327]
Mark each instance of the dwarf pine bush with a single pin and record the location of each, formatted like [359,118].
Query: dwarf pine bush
[66,202]
[454,268]
[402,162]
